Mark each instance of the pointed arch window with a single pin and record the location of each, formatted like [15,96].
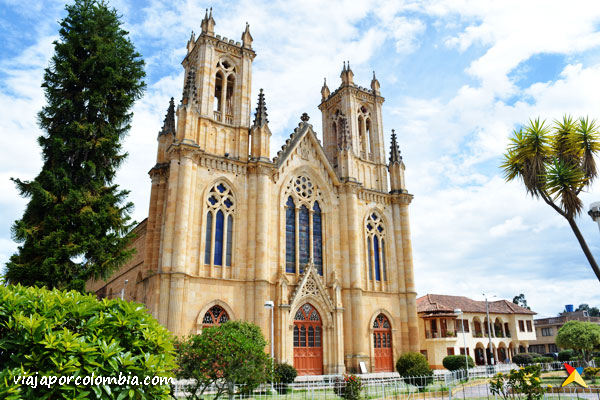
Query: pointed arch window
[218,244]
[375,234]
[303,227]
[216,315]
[364,134]
[224,98]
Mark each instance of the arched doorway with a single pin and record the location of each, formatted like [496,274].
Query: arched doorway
[382,341]
[308,345]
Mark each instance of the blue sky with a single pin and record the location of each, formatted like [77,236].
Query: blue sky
[457,76]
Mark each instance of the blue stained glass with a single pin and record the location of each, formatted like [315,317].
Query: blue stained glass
[229,240]
[212,200]
[290,236]
[369,254]
[221,188]
[383,259]
[317,239]
[219,238]
[208,244]
[304,238]
[376,251]
[228,203]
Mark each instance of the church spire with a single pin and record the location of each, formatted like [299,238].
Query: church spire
[347,75]
[395,156]
[325,90]
[169,122]
[375,84]
[247,37]
[260,117]
[208,24]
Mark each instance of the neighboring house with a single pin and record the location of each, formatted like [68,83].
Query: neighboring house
[547,328]
[321,229]
[440,330]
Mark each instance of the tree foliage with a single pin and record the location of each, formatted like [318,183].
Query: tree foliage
[592,311]
[61,334]
[555,163]
[521,301]
[224,356]
[76,223]
[583,337]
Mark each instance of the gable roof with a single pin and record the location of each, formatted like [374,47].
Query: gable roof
[305,131]
[440,303]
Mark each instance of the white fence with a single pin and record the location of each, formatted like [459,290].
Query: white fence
[440,386]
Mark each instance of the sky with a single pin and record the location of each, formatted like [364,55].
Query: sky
[457,76]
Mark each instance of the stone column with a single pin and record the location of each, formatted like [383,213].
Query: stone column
[261,276]
[167,242]
[411,294]
[180,234]
[360,346]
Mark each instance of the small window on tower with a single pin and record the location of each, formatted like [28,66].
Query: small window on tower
[218,92]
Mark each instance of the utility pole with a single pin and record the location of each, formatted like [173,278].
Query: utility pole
[487,312]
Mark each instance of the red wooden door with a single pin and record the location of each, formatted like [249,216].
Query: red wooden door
[308,341]
[382,341]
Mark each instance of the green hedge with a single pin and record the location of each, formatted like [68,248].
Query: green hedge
[565,355]
[457,362]
[61,334]
[415,369]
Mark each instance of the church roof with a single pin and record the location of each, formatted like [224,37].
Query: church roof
[440,303]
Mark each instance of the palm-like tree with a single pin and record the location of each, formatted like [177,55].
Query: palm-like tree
[555,163]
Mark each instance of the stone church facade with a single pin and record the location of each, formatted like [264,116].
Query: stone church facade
[316,229]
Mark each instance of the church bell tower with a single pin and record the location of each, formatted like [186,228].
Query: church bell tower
[353,131]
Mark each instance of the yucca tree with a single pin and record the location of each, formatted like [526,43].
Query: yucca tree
[555,162]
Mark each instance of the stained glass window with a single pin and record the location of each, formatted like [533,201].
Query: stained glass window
[369,256]
[219,238]
[208,238]
[311,337]
[317,239]
[219,241]
[303,336]
[229,240]
[383,260]
[216,315]
[304,245]
[296,337]
[376,256]
[290,236]
[318,336]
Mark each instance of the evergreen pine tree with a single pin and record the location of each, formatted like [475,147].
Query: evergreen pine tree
[76,225]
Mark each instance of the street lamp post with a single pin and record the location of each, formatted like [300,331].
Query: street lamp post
[459,312]
[487,312]
[269,305]
[595,212]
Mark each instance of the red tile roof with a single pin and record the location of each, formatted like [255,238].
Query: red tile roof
[440,303]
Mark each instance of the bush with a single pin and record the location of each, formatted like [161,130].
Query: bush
[284,374]
[591,373]
[415,369]
[349,387]
[525,381]
[59,334]
[543,360]
[565,355]
[224,356]
[454,363]
[534,355]
[522,358]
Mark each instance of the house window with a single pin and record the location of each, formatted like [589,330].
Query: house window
[219,226]
[529,327]
[552,348]
[375,232]
[424,352]
[521,326]
[546,331]
[506,330]
[462,351]
[464,327]
[450,351]
[303,227]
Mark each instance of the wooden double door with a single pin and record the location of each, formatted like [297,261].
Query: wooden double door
[382,341]
[308,341]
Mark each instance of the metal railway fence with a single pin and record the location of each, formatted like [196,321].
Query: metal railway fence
[445,386]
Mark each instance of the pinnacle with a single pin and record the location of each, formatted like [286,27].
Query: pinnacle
[395,156]
[260,117]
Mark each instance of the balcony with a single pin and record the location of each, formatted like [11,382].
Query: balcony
[445,333]
[218,116]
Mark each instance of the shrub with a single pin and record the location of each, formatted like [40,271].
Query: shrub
[565,355]
[349,387]
[59,333]
[415,369]
[284,374]
[534,355]
[224,356]
[591,373]
[522,358]
[457,362]
[543,360]
[524,381]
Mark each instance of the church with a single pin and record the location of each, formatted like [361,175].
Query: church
[321,229]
